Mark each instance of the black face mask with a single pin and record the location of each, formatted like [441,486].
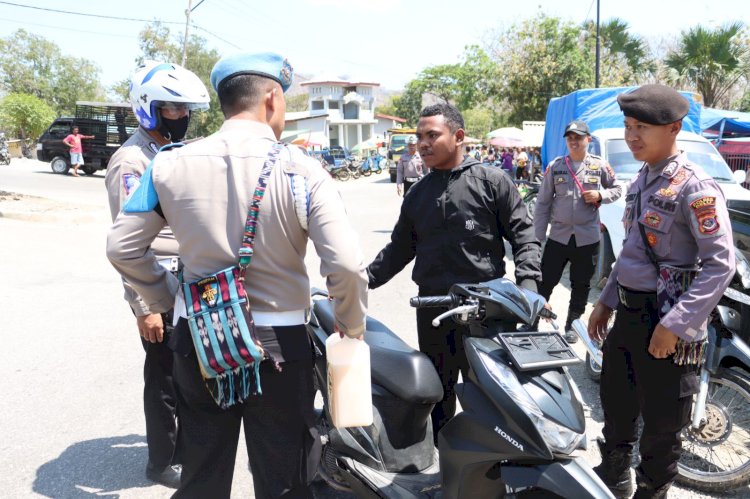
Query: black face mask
[174,130]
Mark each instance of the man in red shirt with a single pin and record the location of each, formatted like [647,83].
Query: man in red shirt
[76,150]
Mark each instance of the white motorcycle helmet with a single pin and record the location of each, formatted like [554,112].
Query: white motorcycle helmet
[155,84]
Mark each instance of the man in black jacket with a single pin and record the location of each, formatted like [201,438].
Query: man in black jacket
[453,222]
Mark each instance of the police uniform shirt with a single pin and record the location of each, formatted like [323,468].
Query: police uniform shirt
[204,189]
[409,166]
[684,215]
[560,201]
[123,176]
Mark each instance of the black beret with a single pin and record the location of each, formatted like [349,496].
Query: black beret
[654,104]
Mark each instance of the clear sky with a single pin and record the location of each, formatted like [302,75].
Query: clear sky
[387,41]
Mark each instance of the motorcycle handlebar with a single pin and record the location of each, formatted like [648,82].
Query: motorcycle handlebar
[546,313]
[433,301]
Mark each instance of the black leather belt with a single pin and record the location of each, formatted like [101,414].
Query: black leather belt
[633,299]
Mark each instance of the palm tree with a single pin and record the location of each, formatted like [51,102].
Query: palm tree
[711,60]
[624,57]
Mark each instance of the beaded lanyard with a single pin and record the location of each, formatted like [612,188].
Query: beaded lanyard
[251,224]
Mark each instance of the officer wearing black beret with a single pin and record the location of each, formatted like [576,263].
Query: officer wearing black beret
[678,241]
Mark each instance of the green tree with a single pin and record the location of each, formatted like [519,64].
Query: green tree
[469,83]
[624,57]
[30,64]
[744,103]
[157,43]
[25,115]
[478,122]
[541,58]
[387,106]
[712,61]
[409,104]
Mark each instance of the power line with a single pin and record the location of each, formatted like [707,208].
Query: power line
[67,29]
[116,18]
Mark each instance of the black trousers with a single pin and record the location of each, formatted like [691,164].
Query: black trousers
[582,266]
[407,186]
[634,383]
[283,444]
[159,399]
[444,346]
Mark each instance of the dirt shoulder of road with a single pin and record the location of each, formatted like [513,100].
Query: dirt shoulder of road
[38,209]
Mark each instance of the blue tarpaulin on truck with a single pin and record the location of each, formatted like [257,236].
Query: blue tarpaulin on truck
[723,121]
[599,109]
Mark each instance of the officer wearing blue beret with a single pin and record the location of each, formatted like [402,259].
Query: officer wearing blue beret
[207,211]
[674,266]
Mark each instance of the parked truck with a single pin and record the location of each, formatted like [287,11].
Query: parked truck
[111,123]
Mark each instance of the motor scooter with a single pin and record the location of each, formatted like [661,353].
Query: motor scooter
[522,415]
[715,456]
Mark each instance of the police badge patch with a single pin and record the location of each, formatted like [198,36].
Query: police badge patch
[652,219]
[130,182]
[705,218]
[286,73]
[666,192]
[209,289]
[679,177]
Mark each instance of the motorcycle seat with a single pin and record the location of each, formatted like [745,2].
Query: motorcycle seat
[403,371]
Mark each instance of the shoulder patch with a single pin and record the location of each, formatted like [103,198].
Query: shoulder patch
[703,216]
[130,182]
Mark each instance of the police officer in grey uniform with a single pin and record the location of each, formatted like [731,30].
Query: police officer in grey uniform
[675,217]
[162,97]
[207,210]
[573,188]
[409,168]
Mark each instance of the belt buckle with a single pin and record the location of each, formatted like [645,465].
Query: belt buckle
[621,294]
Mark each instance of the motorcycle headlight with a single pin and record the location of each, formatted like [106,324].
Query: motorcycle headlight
[560,439]
[743,268]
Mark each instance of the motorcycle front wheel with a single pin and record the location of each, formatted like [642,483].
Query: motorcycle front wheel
[716,456]
[343,174]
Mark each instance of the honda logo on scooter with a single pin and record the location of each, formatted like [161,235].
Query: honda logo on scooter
[507,437]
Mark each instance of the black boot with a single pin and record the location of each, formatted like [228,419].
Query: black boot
[646,491]
[570,335]
[615,470]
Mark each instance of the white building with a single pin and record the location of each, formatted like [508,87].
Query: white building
[340,113]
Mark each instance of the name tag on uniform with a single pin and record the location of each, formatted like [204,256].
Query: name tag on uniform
[591,179]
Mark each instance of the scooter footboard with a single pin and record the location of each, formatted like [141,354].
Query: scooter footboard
[568,478]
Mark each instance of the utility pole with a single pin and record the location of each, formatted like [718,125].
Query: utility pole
[597,44]
[187,27]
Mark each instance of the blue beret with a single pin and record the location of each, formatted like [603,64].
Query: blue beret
[266,64]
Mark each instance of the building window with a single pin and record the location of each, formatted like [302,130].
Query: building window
[333,104]
[317,105]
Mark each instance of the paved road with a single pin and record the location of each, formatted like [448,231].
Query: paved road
[71,360]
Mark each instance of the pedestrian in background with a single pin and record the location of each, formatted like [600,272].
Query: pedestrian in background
[162,96]
[73,141]
[675,263]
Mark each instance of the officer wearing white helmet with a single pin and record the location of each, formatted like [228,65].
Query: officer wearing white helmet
[163,96]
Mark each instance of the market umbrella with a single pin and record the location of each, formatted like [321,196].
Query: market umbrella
[507,137]
[371,143]
[471,140]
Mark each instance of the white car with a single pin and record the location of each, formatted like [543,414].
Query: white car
[609,143]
